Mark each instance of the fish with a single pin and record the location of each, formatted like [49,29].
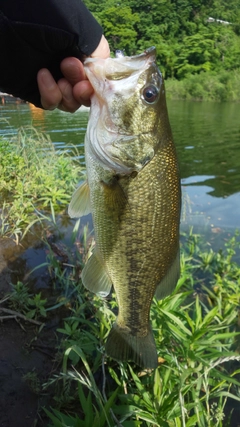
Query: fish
[133,192]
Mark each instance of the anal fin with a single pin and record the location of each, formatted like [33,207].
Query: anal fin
[95,277]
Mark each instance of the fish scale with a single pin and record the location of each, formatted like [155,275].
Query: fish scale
[134,196]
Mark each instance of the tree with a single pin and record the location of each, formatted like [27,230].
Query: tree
[119,28]
[186,42]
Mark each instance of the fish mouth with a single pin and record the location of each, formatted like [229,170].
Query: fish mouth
[118,68]
[111,139]
[131,62]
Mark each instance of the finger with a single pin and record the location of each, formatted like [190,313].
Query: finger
[103,50]
[82,92]
[68,103]
[73,70]
[49,91]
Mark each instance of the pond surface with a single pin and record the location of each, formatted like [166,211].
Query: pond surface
[207,137]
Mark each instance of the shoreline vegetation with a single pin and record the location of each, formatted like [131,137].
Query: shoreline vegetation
[196,328]
[206,86]
[197,43]
[35,179]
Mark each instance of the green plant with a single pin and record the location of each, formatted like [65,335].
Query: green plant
[19,297]
[206,86]
[93,398]
[34,179]
[196,334]
[37,306]
[21,300]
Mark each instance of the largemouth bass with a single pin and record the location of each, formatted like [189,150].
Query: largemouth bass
[133,192]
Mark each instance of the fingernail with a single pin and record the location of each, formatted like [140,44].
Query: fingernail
[47,79]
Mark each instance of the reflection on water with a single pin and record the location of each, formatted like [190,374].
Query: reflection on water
[208,143]
[37,115]
[63,128]
[207,137]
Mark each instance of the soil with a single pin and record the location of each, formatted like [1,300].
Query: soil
[28,352]
[20,400]
[27,356]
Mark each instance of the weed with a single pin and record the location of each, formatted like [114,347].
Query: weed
[33,381]
[196,334]
[37,305]
[19,297]
[20,300]
[33,177]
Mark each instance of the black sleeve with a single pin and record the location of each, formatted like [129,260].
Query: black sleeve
[37,34]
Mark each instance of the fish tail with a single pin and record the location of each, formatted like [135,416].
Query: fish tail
[121,345]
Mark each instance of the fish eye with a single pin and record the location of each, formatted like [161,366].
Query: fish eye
[150,94]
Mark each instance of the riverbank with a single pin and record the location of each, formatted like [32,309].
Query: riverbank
[59,328]
[34,178]
[206,86]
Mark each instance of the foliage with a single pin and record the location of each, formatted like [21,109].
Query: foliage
[20,299]
[196,332]
[119,26]
[33,176]
[211,86]
[186,41]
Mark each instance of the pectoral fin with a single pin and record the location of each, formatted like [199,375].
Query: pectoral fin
[114,195]
[95,277]
[80,203]
[168,283]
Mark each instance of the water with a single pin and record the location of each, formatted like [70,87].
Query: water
[63,128]
[207,137]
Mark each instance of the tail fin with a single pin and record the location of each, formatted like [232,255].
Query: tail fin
[123,346]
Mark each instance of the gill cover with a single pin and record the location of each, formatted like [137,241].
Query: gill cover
[121,133]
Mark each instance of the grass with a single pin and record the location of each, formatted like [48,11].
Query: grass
[21,300]
[196,329]
[33,177]
[206,86]
[196,332]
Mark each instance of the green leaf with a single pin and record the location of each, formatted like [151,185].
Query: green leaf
[147,417]
[177,321]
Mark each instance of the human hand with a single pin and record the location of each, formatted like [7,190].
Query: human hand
[73,90]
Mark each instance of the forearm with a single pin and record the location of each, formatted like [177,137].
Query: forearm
[39,34]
